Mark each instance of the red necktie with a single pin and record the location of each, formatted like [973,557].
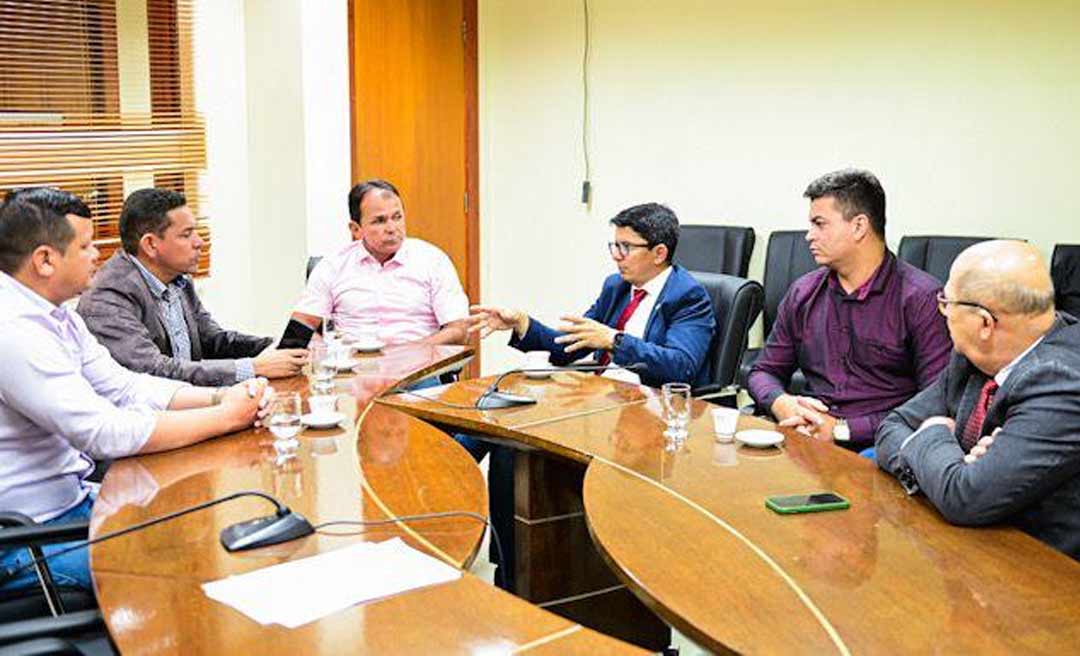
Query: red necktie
[973,428]
[627,312]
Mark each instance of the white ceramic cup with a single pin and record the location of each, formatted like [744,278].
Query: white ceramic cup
[725,422]
[322,405]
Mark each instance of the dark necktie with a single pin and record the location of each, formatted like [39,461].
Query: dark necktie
[627,312]
[973,428]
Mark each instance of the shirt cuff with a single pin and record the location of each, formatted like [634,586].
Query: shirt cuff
[245,369]
[160,391]
[862,429]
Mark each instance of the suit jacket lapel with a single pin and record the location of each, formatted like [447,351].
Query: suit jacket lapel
[657,314]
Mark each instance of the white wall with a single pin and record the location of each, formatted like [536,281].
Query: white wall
[221,98]
[272,85]
[966,111]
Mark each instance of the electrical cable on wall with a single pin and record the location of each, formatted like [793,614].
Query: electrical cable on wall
[586,186]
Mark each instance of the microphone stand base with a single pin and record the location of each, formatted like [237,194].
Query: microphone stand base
[496,400]
[264,531]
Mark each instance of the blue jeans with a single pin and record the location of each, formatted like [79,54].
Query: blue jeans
[71,570]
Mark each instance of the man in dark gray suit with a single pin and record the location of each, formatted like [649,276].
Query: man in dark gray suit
[1013,382]
[143,308]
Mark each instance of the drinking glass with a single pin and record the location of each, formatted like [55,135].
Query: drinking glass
[322,370]
[285,420]
[676,398]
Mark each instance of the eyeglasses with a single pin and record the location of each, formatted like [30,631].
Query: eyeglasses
[943,302]
[622,248]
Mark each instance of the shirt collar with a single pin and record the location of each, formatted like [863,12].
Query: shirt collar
[875,285]
[1003,375]
[37,303]
[157,288]
[656,285]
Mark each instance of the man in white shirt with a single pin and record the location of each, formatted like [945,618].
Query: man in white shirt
[63,399]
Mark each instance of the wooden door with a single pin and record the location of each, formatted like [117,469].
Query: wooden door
[414,89]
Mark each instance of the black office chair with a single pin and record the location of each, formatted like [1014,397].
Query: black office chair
[934,254]
[1065,272]
[312,262]
[716,249]
[787,258]
[737,302]
[49,619]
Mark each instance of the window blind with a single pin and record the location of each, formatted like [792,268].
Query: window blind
[97,97]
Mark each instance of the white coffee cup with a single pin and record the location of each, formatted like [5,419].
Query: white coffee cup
[725,423]
[322,405]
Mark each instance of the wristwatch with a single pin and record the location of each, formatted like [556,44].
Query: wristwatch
[840,431]
[616,341]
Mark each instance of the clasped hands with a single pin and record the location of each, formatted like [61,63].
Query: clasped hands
[580,333]
[805,414]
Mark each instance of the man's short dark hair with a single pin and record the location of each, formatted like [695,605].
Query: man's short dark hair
[357,193]
[856,192]
[27,222]
[145,211]
[57,200]
[656,224]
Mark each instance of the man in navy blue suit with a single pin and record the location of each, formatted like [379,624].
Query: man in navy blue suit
[652,311]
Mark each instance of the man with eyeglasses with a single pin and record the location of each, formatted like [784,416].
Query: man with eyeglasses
[651,311]
[997,437]
[863,328]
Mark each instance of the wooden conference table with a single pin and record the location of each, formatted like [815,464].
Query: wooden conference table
[688,533]
[380,464]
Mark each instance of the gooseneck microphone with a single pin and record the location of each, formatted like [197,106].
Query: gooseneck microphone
[493,398]
[282,526]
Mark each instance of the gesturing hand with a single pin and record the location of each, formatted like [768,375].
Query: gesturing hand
[582,333]
[487,319]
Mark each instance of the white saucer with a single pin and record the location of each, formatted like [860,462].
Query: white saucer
[344,365]
[537,375]
[759,439]
[327,420]
[367,347]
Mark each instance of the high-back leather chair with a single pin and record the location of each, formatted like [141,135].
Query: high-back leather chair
[312,262]
[736,302]
[1065,271]
[934,254]
[787,258]
[716,249]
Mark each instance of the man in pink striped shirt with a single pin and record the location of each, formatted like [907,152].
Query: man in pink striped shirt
[385,285]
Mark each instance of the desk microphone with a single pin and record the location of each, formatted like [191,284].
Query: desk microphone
[282,526]
[493,398]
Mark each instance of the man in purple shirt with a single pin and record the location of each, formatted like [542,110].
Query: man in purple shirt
[864,327]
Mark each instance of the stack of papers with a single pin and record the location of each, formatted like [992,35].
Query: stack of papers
[295,593]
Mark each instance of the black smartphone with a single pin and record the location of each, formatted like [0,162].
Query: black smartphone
[806,503]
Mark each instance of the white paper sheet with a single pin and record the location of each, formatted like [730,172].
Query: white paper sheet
[295,593]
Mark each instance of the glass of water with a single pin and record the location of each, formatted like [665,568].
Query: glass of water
[285,420]
[322,370]
[676,399]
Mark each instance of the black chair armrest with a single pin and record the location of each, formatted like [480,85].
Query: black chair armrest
[80,622]
[41,647]
[20,536]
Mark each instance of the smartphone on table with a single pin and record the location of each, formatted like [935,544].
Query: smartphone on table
[806,503]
